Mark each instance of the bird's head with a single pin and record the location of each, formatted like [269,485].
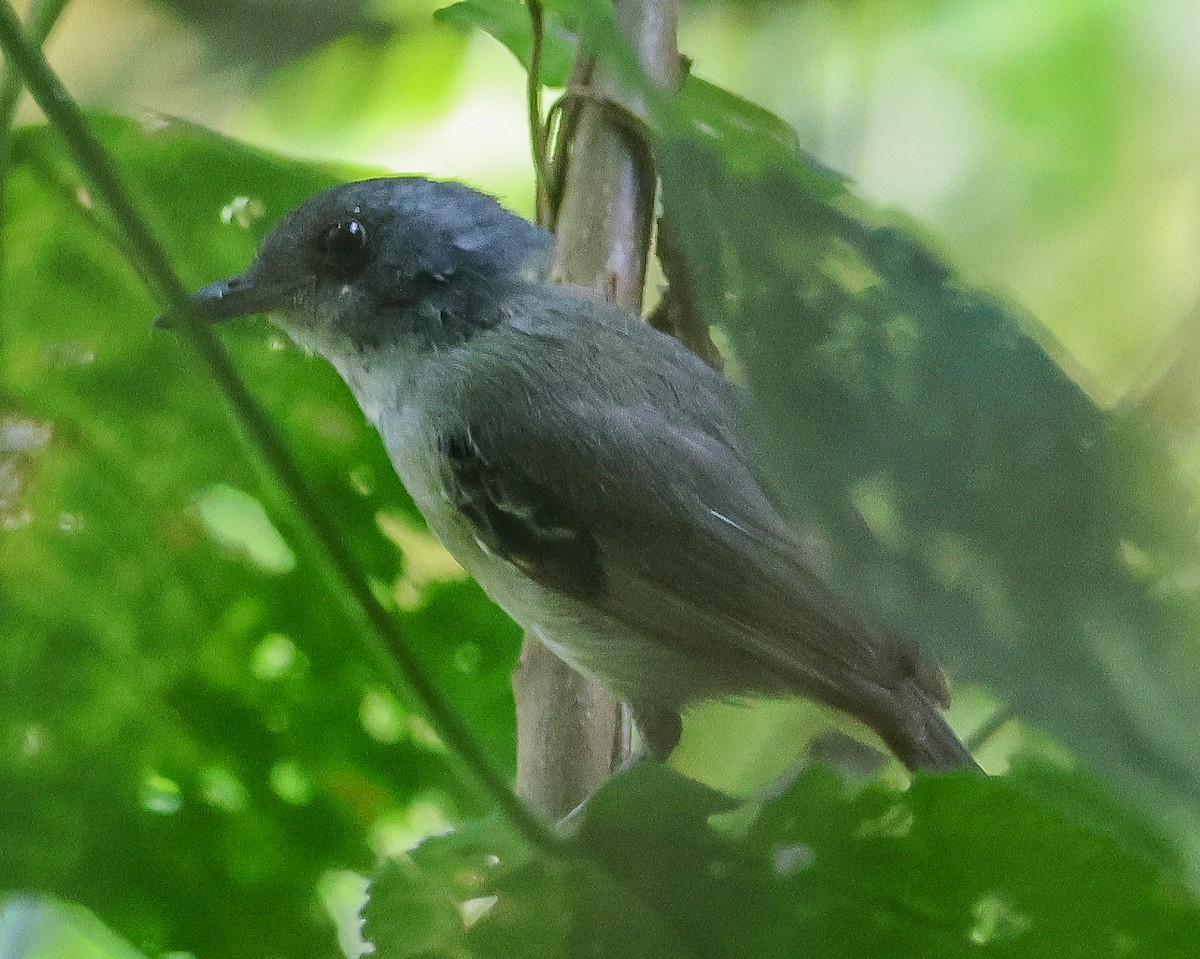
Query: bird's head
[366,265]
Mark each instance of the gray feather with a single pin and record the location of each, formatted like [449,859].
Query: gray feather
[587,470]
[647,467]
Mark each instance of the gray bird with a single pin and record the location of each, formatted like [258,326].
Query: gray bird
[588,470]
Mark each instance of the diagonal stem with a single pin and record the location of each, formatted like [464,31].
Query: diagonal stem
[383,641]
[533,98]
[42,17]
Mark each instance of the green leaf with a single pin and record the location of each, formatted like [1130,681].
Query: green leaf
[964,489]
[962,861]
[37,927]
[959,863]
[183,713]
[508,21]
[493,898]
[745,131]
[1034,864]
[409,914]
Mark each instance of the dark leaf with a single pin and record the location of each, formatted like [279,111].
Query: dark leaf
[509,22]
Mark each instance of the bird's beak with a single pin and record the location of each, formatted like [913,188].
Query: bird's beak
[240,295]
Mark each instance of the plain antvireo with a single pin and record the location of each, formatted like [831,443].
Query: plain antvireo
[585,468]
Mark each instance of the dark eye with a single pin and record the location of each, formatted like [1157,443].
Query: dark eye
[343,248]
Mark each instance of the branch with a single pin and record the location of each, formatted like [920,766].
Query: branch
[570,732]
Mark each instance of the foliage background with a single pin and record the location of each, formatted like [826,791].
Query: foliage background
[192,750]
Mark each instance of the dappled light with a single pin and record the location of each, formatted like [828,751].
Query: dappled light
[949,251]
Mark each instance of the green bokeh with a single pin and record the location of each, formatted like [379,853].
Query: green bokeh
[184,752]
[188,745]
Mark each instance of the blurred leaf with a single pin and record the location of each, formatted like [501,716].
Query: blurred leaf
[565,22]
[40,928]
[493,898]
[355,87]
[744,128]
[914,874]
[960,487]
[1035,864]
[248,33]
[407,914]
[508,21]
[184,712]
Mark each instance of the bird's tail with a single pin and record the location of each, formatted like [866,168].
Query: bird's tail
[923,740]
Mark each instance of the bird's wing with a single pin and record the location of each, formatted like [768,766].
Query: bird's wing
[632,503]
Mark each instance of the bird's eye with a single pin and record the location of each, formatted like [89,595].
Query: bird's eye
[343,248]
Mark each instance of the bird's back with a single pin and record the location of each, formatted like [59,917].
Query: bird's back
[652,521]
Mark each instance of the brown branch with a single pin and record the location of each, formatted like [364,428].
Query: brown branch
[570,732]
[605,216]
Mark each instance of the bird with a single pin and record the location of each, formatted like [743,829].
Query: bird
[589,471]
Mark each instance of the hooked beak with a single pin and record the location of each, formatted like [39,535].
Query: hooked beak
[227,299]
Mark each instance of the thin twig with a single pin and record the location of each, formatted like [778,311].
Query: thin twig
[384,642]
[992,725]
[563,120]
[42,17]
[533,97]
